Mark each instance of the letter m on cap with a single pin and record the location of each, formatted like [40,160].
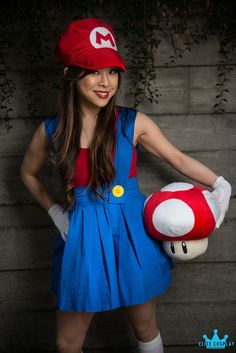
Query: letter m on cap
[107,38]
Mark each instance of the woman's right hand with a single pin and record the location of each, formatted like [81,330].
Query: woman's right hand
[60,219]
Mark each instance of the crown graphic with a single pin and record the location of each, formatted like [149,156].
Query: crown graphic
[215,342]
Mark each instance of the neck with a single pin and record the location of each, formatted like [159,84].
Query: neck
[89,113]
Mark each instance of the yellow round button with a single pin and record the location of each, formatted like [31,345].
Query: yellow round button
[118,191]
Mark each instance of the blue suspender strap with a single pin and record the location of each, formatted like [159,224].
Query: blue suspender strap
[50,124]
[123,156]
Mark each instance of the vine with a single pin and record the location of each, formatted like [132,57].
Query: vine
[36,48]
[180,20]
[224,68]
[7,85]
[140,23]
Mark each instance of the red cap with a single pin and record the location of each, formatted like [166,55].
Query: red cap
[90,44]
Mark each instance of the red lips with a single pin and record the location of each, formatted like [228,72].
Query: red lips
[102,94]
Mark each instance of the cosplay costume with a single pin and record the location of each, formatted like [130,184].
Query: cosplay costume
[108,260]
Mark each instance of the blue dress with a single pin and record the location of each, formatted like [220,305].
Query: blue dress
[108,260]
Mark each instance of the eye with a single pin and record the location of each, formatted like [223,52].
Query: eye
[113,71]
[94,72]
[172,247]
[184,247]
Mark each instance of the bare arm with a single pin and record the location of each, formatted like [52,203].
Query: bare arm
[35,156]
[152,139]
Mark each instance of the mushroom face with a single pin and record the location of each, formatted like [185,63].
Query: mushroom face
[185,250]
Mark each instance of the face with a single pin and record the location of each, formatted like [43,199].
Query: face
[185,249]
[97,88]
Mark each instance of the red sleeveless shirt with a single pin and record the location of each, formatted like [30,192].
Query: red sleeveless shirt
[82,169]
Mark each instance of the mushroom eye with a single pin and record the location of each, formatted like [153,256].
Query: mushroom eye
[184,247]
[172,247]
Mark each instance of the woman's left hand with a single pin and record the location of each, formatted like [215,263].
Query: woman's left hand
[221,193]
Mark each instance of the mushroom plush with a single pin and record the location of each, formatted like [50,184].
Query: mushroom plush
[182,215]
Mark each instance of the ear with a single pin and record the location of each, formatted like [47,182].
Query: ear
[66,69]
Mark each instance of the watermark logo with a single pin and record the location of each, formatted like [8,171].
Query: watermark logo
[216,342]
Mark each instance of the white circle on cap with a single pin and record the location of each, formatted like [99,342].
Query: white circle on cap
[173,218]
[177,187]
[101,37]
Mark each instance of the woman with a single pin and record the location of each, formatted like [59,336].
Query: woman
[103,258]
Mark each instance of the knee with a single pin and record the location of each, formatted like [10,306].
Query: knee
[145,329]
[144,324]
[68,345]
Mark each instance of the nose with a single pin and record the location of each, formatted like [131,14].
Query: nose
[104,79]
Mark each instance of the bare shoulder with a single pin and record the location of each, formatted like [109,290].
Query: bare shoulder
[39,136]
[151,138]
[37,152]
[143,126]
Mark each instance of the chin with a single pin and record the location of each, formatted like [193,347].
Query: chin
[102,103]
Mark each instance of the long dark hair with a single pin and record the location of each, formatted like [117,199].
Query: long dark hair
[66,139]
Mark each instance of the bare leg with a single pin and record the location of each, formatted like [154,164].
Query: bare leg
[143,319]
[71,330]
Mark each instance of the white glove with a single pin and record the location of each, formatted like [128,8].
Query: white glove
[60,219]
[221,193]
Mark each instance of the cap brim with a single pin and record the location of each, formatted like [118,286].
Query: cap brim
[99,59]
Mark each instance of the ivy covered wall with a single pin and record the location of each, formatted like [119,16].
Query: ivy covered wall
[181,72]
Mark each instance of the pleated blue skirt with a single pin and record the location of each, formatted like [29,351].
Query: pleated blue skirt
[108,260]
